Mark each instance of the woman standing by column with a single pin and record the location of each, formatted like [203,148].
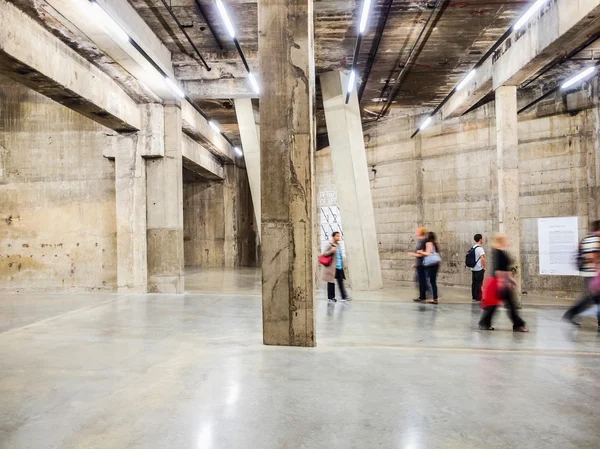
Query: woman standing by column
[431,262]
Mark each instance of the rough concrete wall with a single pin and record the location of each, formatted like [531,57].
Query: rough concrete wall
[57,197]
[446,179]
[219,221]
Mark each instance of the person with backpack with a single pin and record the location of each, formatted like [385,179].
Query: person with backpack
[431,262]
[588,262]
[335,269]
[475,260]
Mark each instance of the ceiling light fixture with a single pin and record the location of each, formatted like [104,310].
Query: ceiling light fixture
[225,18]
[466,79]
[214,126]
[253,82]
[426,123]
[238,151]
[107,22]
[579,77]
[174,88]
[351,80]
[364,16]
[530,12]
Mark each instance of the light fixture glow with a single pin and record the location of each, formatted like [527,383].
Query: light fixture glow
[214,126]
[238,151]
[530,12]
[351,80]
[364,16]
[225,18]
[253,82]
[579,77]
[426,123]
[466,79]
[107,22]
[174,87]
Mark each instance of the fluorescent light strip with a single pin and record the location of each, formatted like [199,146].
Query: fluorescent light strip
[364,16]
[530,12]
[107,22]
[214,126]
[253,82]
[174,88]
[238,151]
[351,81]
[225,18]
[426,123]
[577,78]
[464,82]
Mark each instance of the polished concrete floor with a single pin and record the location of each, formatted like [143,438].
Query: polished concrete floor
[151,371]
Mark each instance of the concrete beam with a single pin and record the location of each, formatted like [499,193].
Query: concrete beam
[201,161]
[197,127]
[562,27]
[31,55]
[219,89]
[187,68]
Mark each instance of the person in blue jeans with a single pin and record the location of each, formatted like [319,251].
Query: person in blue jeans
[335,271]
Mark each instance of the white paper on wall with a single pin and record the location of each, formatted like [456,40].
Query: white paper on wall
[558,241]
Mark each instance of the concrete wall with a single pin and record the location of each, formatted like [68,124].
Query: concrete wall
[218,218]
[445,178]
[57,197]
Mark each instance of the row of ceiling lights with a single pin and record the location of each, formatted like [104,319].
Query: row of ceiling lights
[361,29]
[517,26]
[115,30]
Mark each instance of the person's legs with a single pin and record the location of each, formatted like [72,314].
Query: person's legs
[486,317]
[339,275]
[512,309]
[432,274]
[330,290]
[422,282]
[477,283]
[580,306]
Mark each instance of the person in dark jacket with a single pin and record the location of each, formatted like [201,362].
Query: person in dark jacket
[335,270]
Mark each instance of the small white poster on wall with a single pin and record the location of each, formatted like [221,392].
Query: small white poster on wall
[558,240]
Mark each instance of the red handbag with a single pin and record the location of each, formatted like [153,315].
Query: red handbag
[325,260]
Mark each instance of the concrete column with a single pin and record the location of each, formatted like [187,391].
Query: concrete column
[249,133]
[349,159]
[507,141]
[165,210]
[286,42]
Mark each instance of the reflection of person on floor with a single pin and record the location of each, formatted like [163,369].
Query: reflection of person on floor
[500,288]
[431,262]
[419,267]
[335,270]
[589,255]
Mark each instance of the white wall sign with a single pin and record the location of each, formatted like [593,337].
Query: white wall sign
[558,240]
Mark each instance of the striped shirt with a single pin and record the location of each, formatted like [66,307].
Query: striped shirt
[589,246]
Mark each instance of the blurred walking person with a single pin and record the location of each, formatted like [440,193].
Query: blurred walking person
[335,270]
[431,262]
[500,288]
[419,267]
[589,266]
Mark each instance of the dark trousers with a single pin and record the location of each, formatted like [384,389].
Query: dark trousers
[422,278]
[476,284]
[432,272]
[339,276]
[488,313]
[584,303]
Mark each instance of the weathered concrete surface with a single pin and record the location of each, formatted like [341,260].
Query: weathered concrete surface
[218,221]
[57,197]
[199,160]
[507,164]
[33,56]
[197,127]
[350,170]
[250,135]
[287,153]
[219,89]
[563,26]
[165,210]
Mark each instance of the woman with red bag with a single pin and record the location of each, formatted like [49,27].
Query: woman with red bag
[500,288]
[333,264]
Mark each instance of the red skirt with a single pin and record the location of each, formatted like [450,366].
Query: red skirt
[491,293]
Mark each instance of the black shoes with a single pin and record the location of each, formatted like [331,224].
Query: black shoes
[332,300]
[571,321]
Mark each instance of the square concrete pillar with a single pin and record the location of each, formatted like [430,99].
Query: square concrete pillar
[286,42]
[507,141]
[349,159]
[165,210]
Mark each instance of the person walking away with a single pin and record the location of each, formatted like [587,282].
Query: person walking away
[501,288]
[431,262]
[419,267]
[589,264]
[335,271]
[476,257]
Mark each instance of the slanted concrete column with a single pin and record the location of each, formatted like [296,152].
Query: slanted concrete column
[251,143]
[344,128]
[287,170]
[165,210]
[507,141]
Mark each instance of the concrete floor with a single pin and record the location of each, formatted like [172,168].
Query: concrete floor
[149,371]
